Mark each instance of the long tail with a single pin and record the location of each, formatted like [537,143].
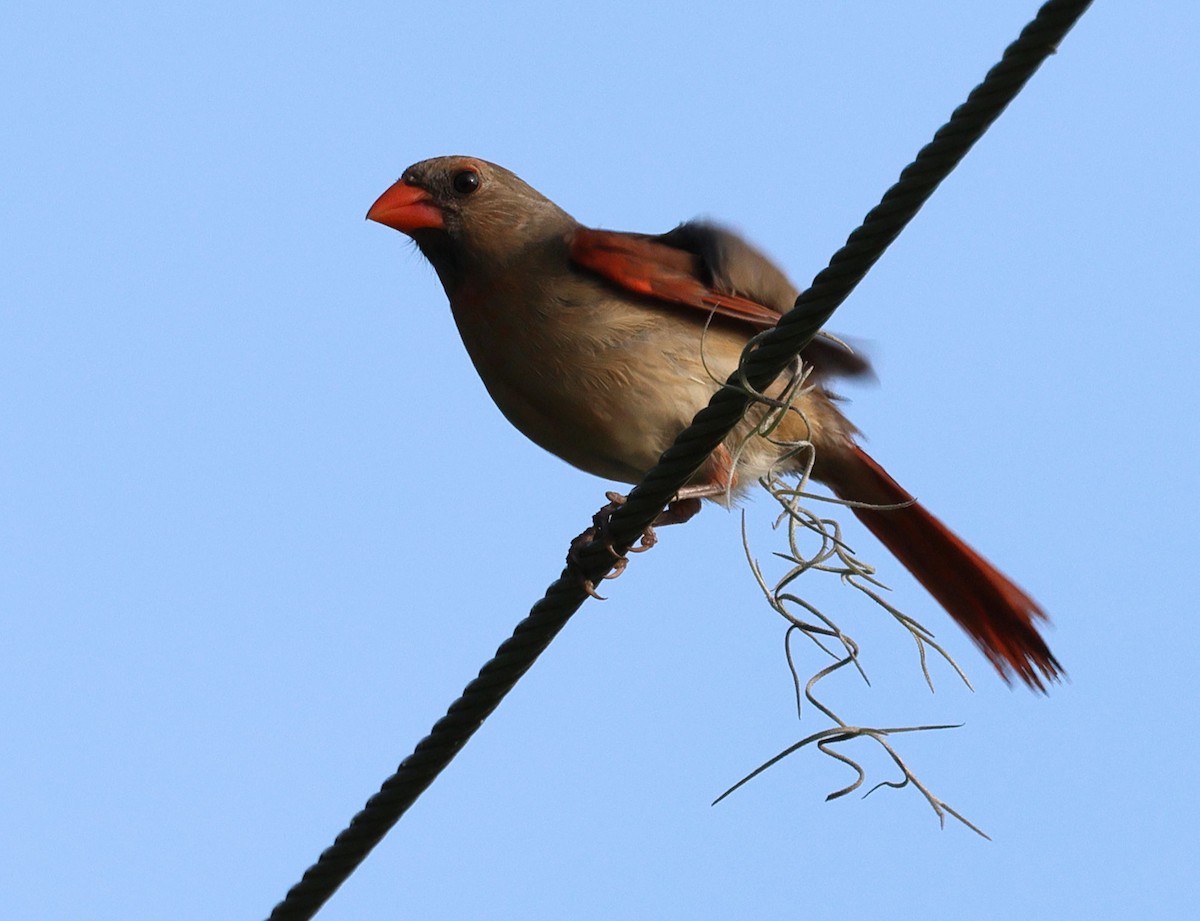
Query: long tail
[996,614]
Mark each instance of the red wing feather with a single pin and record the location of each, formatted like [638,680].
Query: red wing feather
[639,264]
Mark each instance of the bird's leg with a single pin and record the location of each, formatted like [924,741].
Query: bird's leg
[719,479]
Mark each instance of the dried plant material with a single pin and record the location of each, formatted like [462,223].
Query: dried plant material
[814,544]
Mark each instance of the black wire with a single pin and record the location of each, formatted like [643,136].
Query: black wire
[772,353]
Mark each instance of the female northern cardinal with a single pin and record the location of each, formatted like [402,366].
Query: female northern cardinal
[601,346]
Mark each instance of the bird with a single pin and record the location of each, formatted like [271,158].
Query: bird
[600,346]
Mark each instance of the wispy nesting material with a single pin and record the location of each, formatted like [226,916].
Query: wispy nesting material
[815,545]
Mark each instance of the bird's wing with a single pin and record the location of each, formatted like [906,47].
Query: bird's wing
[644,266]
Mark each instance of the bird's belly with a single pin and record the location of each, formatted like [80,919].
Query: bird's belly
[610,399]
[613,422]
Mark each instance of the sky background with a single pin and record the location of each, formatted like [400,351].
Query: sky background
[260,522]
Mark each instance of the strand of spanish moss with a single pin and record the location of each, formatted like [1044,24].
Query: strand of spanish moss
[771,353]
[831,555]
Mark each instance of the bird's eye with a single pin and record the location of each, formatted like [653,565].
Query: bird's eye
[465,181]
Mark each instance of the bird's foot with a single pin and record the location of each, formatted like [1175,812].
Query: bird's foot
[677,512]
[599,531]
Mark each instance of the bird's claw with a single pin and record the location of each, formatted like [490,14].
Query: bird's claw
[645,542]
[599,531]
[679,511]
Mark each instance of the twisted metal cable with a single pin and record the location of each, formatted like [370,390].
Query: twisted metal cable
[768,355]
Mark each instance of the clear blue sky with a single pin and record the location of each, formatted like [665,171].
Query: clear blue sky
[259,521]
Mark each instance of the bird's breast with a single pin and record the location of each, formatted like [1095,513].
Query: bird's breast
[603,383]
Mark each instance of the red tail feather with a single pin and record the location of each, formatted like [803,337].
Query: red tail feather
[997,615]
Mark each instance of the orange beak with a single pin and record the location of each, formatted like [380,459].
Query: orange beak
[406,208]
